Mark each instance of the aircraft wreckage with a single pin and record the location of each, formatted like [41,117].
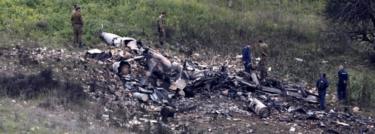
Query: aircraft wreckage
[153,78]
[164,79]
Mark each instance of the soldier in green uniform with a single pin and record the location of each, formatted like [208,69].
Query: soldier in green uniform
[161,28]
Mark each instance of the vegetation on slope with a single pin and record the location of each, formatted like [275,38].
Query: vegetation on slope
[196,22]
[293,28]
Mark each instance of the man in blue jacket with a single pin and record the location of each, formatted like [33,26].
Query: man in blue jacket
[342,84]
[246,58]
[322,85]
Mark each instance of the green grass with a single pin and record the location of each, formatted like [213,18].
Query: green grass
[294,29]
[204,22]
[16,118]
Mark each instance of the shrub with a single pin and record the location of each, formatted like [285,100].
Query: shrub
[361,89]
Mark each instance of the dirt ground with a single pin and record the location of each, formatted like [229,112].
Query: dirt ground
[105,106]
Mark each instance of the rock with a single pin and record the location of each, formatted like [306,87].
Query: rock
[118,93]
[181,84]
[155,109]
[81,59]
[94,51]
[167,112]
[225,92]
[257,59]
[141,96]
[321,124]
[239,93]
[181,92]
[134,122]
[299,59]
[173,87]
[355,109]
[239,57]
[196,56]
[342,123]
[106,109]
[112,88]
[105,117]
[269,69]
[148,120]
[292,129]
[42,25]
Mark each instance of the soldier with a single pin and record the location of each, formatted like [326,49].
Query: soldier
[77,24]
[161,28]
[263,49]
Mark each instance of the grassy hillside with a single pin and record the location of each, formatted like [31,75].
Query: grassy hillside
[196,22]
[293,28]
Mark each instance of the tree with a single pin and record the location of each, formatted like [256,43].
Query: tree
[357,15]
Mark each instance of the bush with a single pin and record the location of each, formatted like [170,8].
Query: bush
[361,89]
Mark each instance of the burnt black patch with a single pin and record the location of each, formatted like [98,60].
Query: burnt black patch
[35,85]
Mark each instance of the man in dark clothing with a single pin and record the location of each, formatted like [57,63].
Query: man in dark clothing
[342,84]
[246,58]
[77,24]
[322,85]
[161,28]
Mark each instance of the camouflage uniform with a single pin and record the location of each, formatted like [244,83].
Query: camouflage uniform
[77,24]
[263,62]
[161,29]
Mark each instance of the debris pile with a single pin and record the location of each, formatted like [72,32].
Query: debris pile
[148,91]
[168,83]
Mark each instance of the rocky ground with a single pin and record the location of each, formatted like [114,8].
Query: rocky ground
[73,81]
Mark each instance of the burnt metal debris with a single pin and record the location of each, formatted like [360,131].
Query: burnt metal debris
[164,79]
[163,82]
[186,97]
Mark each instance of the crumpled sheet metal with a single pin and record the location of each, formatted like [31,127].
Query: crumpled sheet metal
[299,95]
[195,79]
[259,107]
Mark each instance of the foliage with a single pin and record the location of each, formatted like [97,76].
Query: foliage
[357,12]
[293,28]
[358,15]
[193,22]
[361,88]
